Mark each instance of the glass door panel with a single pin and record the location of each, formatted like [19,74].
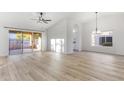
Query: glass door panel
[15,42]
[62,45]
[24,42]
[53,45]
[27,42]
[57,45]
[36,41]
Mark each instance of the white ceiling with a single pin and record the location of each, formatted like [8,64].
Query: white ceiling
[23,19]
[86,16]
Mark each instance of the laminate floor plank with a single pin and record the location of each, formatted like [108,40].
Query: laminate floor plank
[50,66]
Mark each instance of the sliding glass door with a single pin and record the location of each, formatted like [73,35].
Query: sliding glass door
[53,45]
[57,45]
[27,42]
[15,42]
[36,41]
[24,42]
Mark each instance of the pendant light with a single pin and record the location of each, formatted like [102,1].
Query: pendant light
[96,22]
[97,30]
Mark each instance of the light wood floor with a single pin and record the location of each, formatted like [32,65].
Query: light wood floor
[54,66]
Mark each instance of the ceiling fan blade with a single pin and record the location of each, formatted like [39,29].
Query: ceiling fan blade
[48,20]
[45,21]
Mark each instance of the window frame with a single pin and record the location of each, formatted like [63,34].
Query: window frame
[96,42]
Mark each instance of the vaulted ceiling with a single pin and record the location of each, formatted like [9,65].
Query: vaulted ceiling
[23,19]
[86,16]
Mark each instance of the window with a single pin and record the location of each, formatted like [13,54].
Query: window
[102,38]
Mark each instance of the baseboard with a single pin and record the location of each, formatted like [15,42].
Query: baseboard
[102,52]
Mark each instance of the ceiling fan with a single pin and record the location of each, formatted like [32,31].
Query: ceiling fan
[41,19]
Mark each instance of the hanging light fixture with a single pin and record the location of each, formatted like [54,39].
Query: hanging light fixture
[96,21]
[97,31]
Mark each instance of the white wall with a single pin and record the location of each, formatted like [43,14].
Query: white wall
[106,21]
[57,31]
[71,22]
[112,22]
[4,42]
[64,29]
[78,34]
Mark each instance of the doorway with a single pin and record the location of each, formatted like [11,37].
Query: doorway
[24,42]
[75,38]
[57,45]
